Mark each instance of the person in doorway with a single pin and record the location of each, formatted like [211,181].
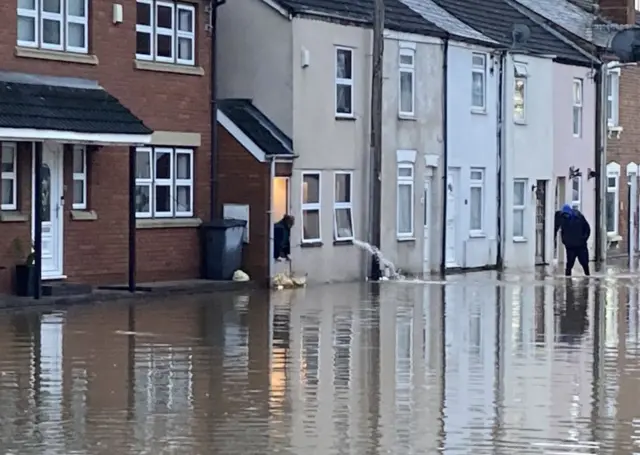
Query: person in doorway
[574,231]
[282,238]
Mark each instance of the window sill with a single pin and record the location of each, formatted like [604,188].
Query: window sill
[343,242]
[614,130]
[160,223]
[408,117]
[477,235]
[168,68]
[58,56]
[478,111]
[519,240]
[83,215]
[347,118]
[613,237]
[406,239]
[316,244]
[13,217]
[520,122]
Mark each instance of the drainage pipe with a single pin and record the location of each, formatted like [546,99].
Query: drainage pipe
[445,152]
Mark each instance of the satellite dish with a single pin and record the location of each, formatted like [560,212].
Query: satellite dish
[626,45]
[520,34]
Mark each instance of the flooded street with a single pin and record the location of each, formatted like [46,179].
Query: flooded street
[477,366]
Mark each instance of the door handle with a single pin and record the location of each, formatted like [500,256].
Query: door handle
[57,210]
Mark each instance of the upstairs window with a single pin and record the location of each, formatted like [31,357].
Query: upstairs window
[406,76]
[58,25]
[613,92]
[344,82]
[577,107]
[165,32]
[478,85]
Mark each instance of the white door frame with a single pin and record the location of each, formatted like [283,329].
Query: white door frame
[453,178]
[57,215]
[426,221]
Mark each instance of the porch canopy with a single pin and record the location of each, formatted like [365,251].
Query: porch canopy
[36,108]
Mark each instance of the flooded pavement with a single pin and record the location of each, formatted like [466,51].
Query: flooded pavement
[476,366]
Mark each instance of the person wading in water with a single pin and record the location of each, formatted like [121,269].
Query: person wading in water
[574,231]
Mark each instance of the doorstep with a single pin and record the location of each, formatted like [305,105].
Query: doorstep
[120,293]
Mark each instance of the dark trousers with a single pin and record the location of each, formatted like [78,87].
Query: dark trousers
[580,253]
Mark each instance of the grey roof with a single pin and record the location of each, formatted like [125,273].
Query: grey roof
[573,19]
[398,16]
[433,13]
[257,126]
[63,104]
[496,18]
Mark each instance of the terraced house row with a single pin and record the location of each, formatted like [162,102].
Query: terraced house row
[489,114]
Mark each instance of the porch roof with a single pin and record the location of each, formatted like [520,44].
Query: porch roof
[63,109]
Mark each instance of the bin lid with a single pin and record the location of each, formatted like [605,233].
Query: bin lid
[224,223]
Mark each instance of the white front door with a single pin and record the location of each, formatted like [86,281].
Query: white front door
[426,220]
[452,208]
[52,210]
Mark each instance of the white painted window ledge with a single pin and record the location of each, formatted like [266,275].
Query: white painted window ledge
[519,240]
[13,217]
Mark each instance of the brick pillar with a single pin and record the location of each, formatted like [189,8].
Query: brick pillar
[619,11]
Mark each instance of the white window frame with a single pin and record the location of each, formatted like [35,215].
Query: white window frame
[520,75]
[474,183]
[482,70]
[342,206]
[64,19]
[13,175]
[577,106]
[185,35]
[79,177]
[400,182]
[613,171]
[407,50]
[576,203]
[172,182]
[153,31]
[613,78]
[519,208]
[343,82]
[311,206]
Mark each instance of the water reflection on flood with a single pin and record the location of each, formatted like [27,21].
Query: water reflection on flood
[346,369]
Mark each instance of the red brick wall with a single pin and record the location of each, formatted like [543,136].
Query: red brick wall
[245,180]
[96,251]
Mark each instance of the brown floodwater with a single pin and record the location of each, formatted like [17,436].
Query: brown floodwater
[516,366]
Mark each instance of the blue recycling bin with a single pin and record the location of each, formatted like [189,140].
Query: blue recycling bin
[221,248]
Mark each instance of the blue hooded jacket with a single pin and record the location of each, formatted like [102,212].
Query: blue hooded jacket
[574,227]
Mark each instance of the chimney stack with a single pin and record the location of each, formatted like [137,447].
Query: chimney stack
[618,11]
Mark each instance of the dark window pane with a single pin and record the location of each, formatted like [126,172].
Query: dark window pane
[343,103]
[143,43]
[165,17]
[163,165]
[142,199]
[143,14]
[164,46]
[163,198]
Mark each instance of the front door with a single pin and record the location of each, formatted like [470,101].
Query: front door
[426,220]
[452,209]
[541,208]
[52,210]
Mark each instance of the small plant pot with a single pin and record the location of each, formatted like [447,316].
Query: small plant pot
[25,279]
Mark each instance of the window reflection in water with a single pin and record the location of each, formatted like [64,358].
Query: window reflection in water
[516,315]
[540,312]
[342,338]
[404,373]
[163,391]
[310,363]
[51,392]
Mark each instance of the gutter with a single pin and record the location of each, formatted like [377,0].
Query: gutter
[500,138]
[600,164]
[445,152]
[213,169]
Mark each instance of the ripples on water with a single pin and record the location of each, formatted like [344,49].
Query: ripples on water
[405,369]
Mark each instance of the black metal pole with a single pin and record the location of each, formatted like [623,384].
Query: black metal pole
[132,219]
[445,155]
[37,220]
[599,79]
[501,173]
[213,171]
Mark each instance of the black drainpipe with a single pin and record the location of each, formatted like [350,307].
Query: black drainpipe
[445,152]
[213,177]
[501,187]
[600,75]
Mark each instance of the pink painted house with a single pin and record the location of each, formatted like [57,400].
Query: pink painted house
[574,98]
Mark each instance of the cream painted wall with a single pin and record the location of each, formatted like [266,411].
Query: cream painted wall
[327,144]
[529,150]
[254,59]
[421,133]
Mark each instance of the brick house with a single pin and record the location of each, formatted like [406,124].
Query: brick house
[83,83]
